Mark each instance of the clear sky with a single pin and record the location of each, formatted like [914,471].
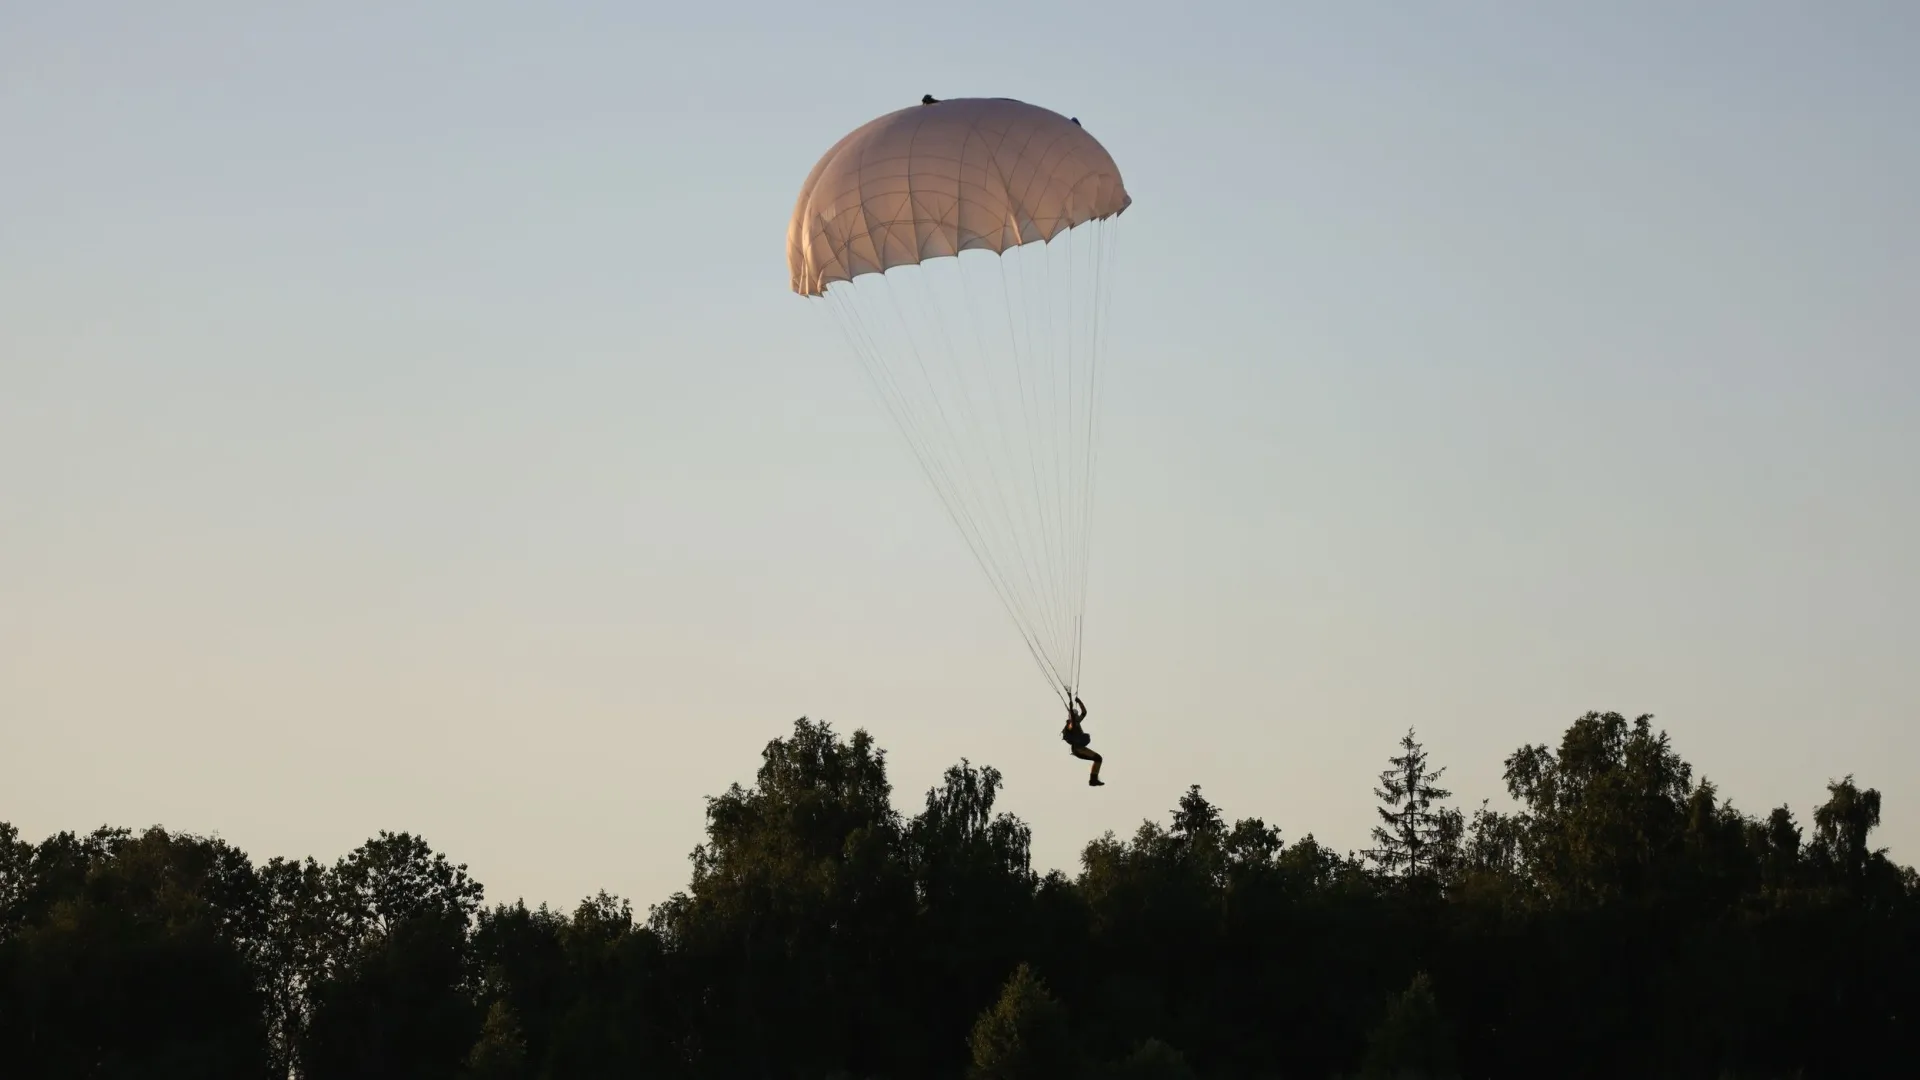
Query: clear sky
[405,422]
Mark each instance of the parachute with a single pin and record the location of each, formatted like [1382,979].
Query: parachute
[965,249]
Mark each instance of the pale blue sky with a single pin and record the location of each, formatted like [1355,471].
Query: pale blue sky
[405,423]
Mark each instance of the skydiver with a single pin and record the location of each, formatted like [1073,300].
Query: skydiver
[1077,738]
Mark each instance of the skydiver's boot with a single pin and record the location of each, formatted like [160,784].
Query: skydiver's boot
[1093,778]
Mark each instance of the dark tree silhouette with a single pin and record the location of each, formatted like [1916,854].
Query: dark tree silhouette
[1623,918]
[1412,834]
[1412,1039]
[1023,1035]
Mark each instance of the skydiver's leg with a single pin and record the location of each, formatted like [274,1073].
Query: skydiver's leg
[1093,775]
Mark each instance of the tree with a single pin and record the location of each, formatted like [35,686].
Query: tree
[1153,1060]
[974,882]
[802,883]
[398,876]
[1841,826]
[400,1007]
[958,845]
[1606,815]
[16,868]
[1411,832]
[1023,1036]
[1412,1041]
[1623,920]
[524,969]
[302,946]
[1492,846]
[130,959]
[501,1051]
[1779,844]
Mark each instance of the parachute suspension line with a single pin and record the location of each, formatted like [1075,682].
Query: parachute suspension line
[1104,241]
[1064,453]
[973,392]
[1025,362]
[1069,578]
[1005,522]
[996,487]
[1059,386]
[1099,241]
[1070,424]
[1107,237]
[957,483]
[1082,372]
[865,347]
[1039,526]
[964,509]
[1022,525]
[1076,481]
[1053,417]
[1078,559]
[1020,360]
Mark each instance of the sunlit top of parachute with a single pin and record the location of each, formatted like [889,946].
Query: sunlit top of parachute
[937,179]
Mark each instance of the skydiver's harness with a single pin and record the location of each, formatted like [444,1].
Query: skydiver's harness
[1073,736]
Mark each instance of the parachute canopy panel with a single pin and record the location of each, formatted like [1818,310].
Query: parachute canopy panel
[935,180]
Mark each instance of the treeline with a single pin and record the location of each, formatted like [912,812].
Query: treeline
[1624,921]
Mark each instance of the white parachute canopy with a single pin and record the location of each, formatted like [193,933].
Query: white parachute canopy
[965,248]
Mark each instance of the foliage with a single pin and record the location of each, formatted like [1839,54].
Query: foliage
[1023,1036]
[1412,1041]
[1620,918]
[1413,835]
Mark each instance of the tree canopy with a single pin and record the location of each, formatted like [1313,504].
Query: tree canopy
[1623,918]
